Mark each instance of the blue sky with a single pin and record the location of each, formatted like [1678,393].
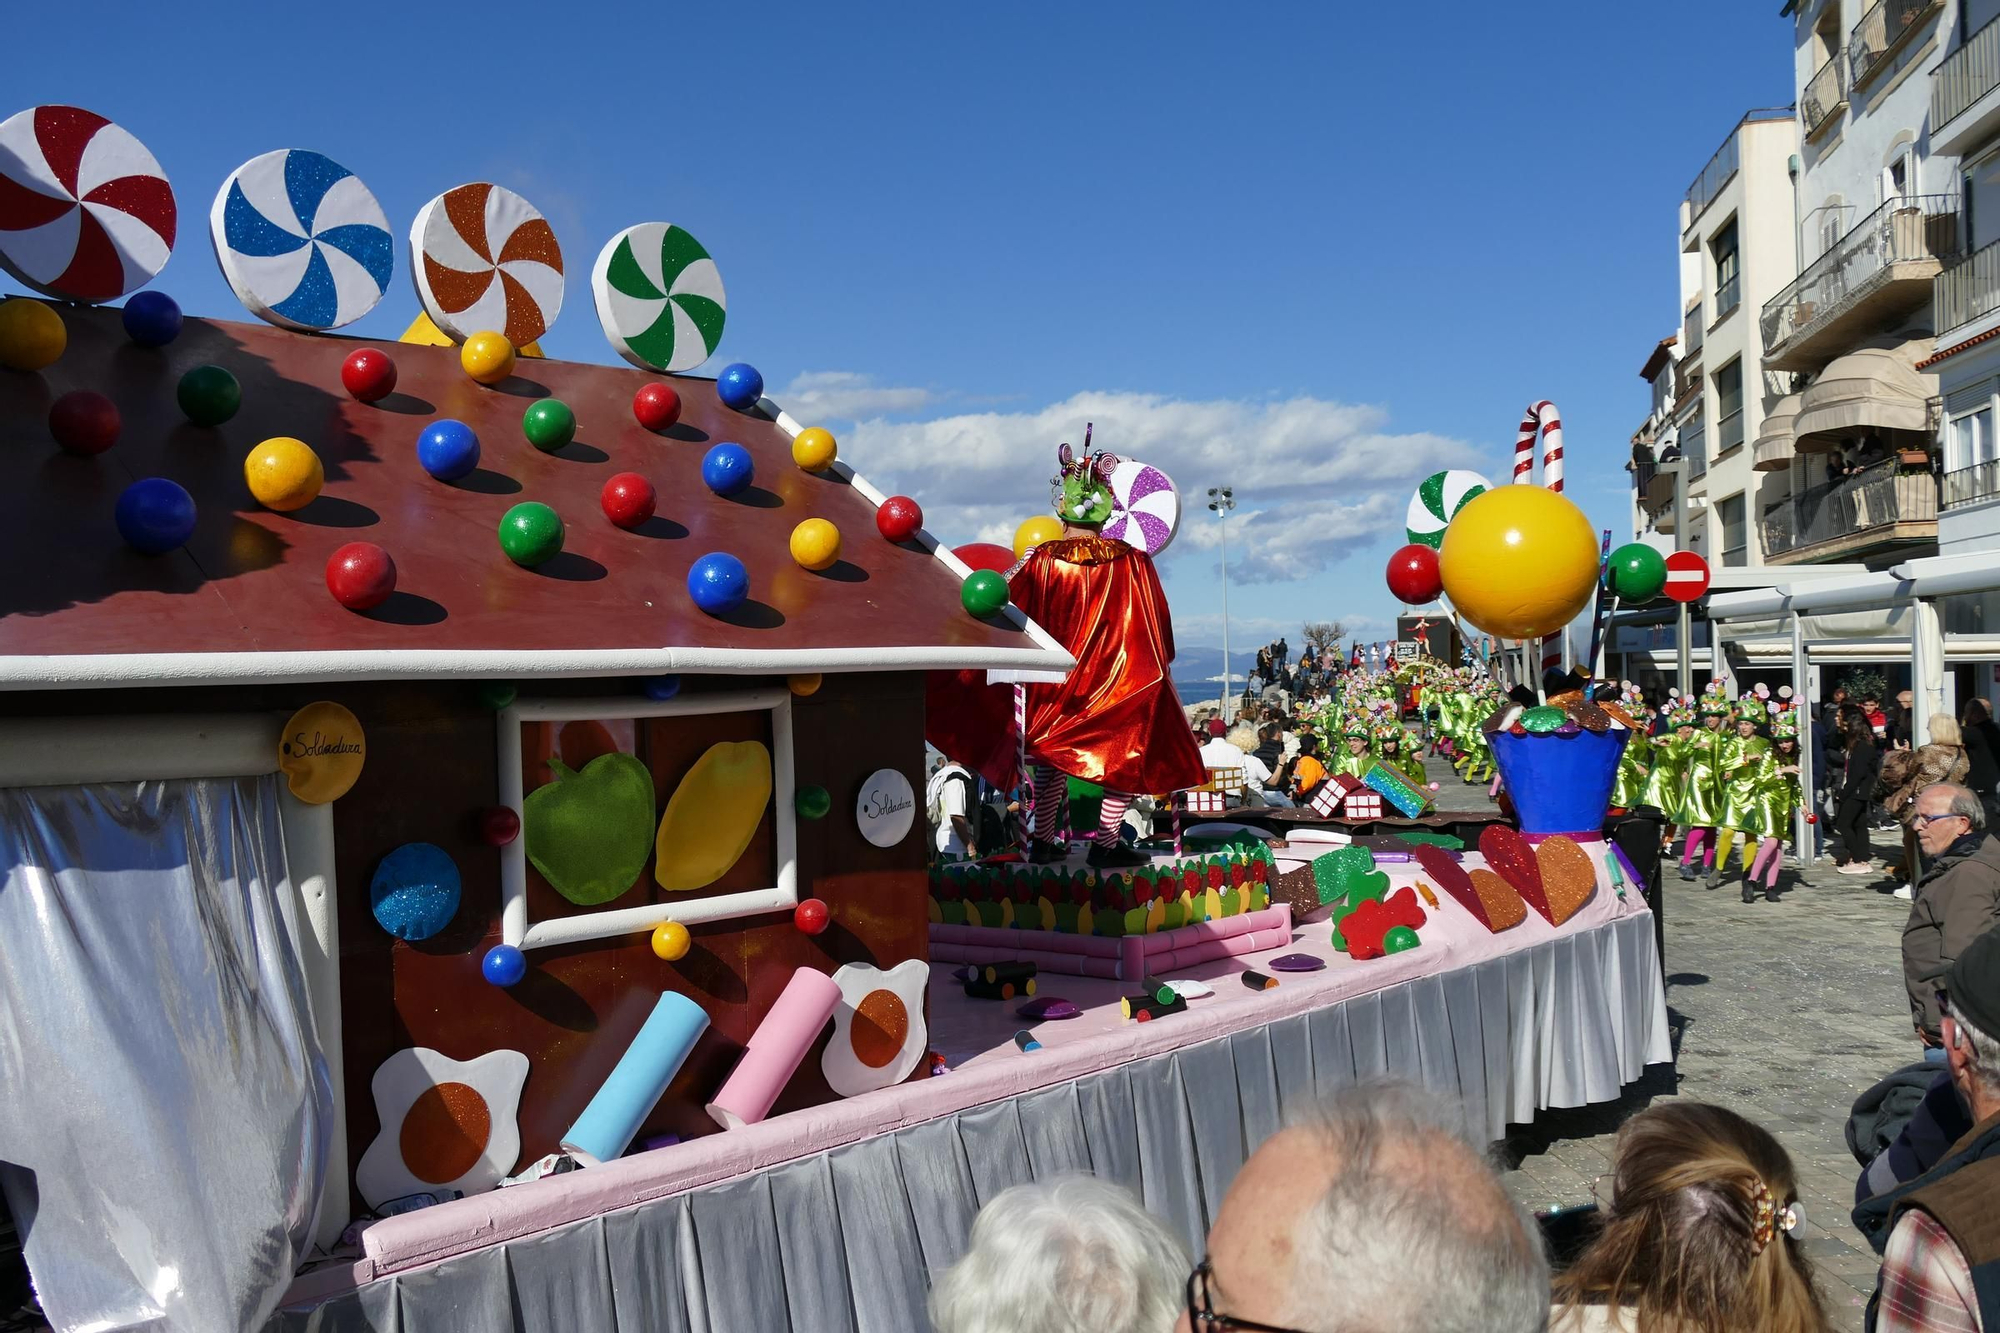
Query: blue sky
[1316,251]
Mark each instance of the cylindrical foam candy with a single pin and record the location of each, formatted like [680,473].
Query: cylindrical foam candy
[776,1049]
[604,1130]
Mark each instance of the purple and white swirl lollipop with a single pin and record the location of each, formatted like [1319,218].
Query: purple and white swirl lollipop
[1145,507]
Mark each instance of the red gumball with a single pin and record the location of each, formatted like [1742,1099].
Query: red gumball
[360,575]
[811,916]
[369,375]
[628,500]
[499,825]
[656,406]
[1413,574]
[899,518]
[84,422]
[985,555]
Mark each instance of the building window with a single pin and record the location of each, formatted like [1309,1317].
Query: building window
[1970,442]
[1735,532]
[1727,285]
[1728,382]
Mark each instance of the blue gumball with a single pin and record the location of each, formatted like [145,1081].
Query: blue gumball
[718,583]
[662,688]
[414,894]
[739,386]
[727,469]
[152,319]
[504,965]
[155,515]
[448,449]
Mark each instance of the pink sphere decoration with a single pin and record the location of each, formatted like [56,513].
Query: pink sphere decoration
[811,916]
[360,575]
[656,406]
[628,500]
[899,518]
[1413,574]
[368,374]
[84,422]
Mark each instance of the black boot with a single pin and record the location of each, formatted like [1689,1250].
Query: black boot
[1713,877]
[1042,853]
[1750,890]
[1771,892]
[1687,870]
[1117,856]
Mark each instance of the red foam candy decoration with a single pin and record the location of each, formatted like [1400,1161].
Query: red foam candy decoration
[499,826]
[656,406]
[628,499]
[84,422]
[811,916]
[369,375]
[899,518]
[1413,574]
[360,575]
[985,555]
[1372,918]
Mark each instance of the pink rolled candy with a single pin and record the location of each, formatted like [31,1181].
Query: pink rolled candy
[776,1049]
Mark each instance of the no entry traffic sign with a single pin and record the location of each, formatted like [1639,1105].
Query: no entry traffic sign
[1687,576]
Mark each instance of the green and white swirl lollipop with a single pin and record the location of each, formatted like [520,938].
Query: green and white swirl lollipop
[659,297]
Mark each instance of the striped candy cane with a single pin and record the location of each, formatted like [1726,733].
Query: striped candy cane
[1540,419]
[1021,752]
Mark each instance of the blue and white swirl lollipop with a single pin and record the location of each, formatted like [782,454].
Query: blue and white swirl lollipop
[301,240]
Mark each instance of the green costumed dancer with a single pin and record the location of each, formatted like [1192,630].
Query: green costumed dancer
[1742,751]
[1777,803]
[1701,805]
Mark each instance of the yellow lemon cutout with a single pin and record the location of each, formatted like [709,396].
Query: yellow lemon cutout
[712,815]
[321,752]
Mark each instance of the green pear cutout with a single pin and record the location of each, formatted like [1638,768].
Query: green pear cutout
[590,832]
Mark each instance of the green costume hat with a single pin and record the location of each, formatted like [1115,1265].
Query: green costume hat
[1082,489]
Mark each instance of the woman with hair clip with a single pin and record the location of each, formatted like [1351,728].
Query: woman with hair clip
[1697,1235]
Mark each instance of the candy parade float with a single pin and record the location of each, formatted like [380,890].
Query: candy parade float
[543,747]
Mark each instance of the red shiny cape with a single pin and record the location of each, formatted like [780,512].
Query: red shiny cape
[1116,719]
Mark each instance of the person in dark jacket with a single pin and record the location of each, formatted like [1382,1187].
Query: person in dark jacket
[1982,753]
[1957,900]
[1855,793]
[1823,780]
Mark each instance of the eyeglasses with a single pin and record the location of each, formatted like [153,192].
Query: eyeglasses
[1201,1314]
[1924,821]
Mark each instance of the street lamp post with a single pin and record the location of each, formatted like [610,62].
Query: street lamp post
[1677,468]
[1222,499]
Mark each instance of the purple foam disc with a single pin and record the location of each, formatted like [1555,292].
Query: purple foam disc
[1048,1006]
[1296,962]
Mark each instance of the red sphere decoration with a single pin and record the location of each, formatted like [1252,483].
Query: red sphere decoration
[656,405]
[811,916]
[360,575]
[899,518]
[628,500]
[985,555]
[369,375]
[1812,819]
[84,422]
[1413,574]
[499,825]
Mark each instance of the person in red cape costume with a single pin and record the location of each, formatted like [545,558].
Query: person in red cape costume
[1115,719]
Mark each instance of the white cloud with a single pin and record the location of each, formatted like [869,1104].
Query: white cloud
[1315,480]
[843,395]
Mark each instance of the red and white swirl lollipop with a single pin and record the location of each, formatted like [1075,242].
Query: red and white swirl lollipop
[86,214]
[1145,507]
[484,258]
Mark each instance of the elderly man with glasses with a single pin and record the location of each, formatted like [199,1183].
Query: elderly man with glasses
[1957,900]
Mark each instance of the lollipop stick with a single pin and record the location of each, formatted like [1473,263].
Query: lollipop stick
[1597,613]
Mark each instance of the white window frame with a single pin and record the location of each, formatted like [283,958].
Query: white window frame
[783,896]
[1956,459]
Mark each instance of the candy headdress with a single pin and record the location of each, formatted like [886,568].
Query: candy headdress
[1354,725]
[1082,488]
[1715,700]
[1784,725]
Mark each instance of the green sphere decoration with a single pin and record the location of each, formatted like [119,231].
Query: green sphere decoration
[209,395]
[497,694]
[813,802]
[1398,938]
[549,424]
[984,593]
[1638,573]
[530,533]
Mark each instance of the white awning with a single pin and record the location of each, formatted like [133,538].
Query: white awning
[1775,447]
[1869,389]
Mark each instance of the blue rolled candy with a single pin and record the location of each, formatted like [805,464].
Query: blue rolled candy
[152,319]
[448,449]
[718,583]
[727,469]
[155,515]
[739,386]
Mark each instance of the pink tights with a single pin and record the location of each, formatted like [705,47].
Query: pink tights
[1767,862]
[1698,837]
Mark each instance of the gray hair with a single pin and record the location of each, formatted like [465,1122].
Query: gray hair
[1073,1255]
[1963,802]
[1388,1248]
[1985,1067]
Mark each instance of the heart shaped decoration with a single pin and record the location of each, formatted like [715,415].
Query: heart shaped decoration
[1508,855]
[1496,905]
[1569,878]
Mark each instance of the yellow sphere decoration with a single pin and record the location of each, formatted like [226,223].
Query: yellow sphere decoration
[32,336]
[1519,561]
[803,685]
[815,544]
[671,941]
[284,474]
[814,450]
[1041,528]
[488,357]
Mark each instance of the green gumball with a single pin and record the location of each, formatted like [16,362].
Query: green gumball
[549,424]
[531,533]
[209,395]
[812,802]
[497,694]
[1398,938]
[1638,573]
[984,594]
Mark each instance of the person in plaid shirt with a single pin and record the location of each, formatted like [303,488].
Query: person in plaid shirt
[1941,1265]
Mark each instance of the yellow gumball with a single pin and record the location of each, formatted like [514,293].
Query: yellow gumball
[1519,561]
[671,941]
[814,450]
[487,357]
[32,336]
[284,474]
[815,544]
[803,685]
[1041,528]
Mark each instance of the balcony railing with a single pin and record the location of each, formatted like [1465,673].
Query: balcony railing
[1981,481]
[1883,31]
[1968,290]
[1967,74]
[1728,296]
[1695,450]
[1723,165]
[1825,96]
[1903,229]
[1871,502]
[1729,432]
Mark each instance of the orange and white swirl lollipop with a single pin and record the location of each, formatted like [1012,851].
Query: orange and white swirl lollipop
[485,258]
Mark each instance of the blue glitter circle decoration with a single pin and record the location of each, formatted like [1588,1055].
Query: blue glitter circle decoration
[414,894]
[301,240]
